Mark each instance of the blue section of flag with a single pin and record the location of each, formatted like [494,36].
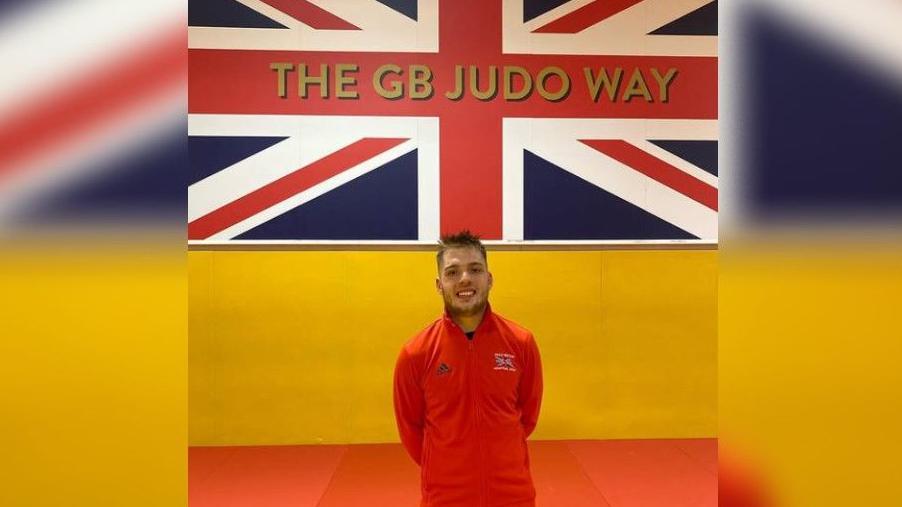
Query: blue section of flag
[147,182]
[701,21]
[703,154]
[211,154]
[405,7]
[227,13]
[560,205]
[535,8]
[380,205]
[11,8]
[824,130]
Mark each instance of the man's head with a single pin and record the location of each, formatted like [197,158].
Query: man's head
[463,278]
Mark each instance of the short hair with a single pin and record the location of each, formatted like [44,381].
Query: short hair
[462,239]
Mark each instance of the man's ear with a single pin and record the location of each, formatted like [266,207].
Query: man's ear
[438,285]
[491,279]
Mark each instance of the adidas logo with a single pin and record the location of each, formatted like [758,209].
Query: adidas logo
[443,369]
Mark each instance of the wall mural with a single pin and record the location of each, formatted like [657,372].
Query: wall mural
[522,120]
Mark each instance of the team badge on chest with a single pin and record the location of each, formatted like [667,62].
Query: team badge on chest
[504,362]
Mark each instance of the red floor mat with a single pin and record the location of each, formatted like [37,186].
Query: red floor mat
[376,474]
[260,476]
[605,473]
[646,473]
[559,478]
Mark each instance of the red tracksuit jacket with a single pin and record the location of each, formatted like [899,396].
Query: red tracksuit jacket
[464,409]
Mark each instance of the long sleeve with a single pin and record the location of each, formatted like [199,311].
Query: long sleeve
[530,395]
[409,406]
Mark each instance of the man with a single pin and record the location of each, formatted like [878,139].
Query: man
[467,391]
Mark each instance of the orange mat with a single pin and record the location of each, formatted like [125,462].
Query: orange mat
[614,473]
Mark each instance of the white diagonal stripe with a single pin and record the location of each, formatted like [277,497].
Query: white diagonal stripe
[311,138]
[315,191]
[681,164]
[381,29]
[557,142]
[625,33]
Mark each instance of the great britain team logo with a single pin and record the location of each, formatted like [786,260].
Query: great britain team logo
[504,362]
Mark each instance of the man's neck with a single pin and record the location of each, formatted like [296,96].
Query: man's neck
[468,323]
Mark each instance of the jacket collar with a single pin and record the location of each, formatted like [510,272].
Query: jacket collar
[487,317]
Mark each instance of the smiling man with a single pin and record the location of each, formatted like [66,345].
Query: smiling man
[467,391]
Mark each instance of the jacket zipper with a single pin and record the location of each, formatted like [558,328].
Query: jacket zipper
[474,391]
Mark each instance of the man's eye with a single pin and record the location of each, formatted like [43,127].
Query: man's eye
[476,270]
[451,272]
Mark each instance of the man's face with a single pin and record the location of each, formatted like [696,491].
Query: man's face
[464,282]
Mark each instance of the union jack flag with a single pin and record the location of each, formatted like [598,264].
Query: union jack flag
[107,148]
[504,362]
[270,166]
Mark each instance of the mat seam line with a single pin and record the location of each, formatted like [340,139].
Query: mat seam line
[332,477]
[695,460]
[583,471]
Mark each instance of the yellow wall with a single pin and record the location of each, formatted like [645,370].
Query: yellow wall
[299,347]
[93,372]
